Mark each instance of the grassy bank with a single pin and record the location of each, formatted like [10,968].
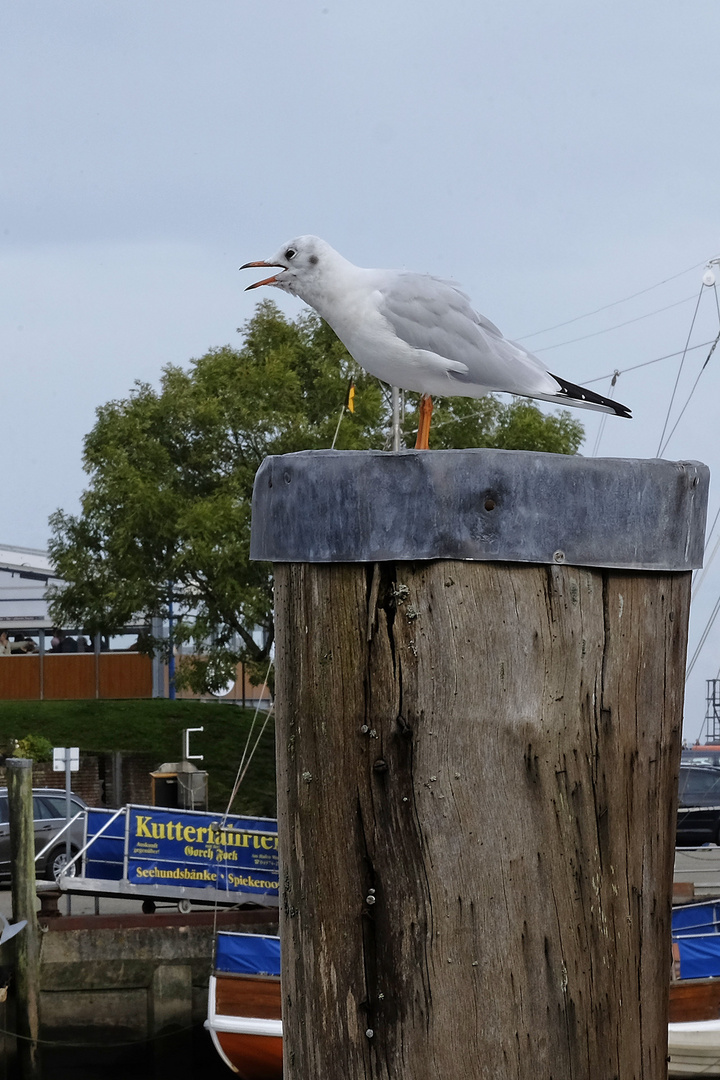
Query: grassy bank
[155,727]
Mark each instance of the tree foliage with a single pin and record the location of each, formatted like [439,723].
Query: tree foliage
[35,747]
[166,513]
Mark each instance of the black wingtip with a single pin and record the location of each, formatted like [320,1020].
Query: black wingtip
[581,393]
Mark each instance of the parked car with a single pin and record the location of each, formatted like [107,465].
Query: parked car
[49,815]
[698,806]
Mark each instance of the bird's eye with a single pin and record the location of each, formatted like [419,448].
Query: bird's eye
[290,253]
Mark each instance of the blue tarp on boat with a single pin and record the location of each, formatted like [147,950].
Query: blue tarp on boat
[695,933]
[696,918]
[247,954]
[699,956]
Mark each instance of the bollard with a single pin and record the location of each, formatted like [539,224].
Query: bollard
[27,948]
[480,665]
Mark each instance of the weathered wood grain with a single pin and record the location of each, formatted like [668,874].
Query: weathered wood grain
[477,769]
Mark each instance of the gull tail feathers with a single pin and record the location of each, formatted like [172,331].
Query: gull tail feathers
[583,398]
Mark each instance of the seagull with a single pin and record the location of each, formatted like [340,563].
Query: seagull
[417,332]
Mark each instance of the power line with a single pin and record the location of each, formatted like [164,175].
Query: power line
[712,529]
[601,427]
[616,373]
[692,391]
[698,584]
[617,326]
[703,638]
[645,363]
[680,367]
[614,303]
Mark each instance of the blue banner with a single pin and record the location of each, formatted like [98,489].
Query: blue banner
[199,850]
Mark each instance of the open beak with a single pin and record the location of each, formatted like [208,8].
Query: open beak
[266,281]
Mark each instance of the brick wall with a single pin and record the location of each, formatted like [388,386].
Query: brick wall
[126,778]
[85,782]
[98,776]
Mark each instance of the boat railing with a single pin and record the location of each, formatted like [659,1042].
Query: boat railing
[92,839]
[56,837]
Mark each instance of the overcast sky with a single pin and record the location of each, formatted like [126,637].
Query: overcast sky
[552,157]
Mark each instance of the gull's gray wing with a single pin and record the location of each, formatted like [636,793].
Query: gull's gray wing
[435,316]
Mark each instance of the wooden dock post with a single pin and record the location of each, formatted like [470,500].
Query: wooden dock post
[480,667]
[24,900]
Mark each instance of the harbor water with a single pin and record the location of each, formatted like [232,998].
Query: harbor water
[184,1057]
[184,1052]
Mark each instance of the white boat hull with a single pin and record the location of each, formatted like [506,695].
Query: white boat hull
[249,1045]
[694,1048]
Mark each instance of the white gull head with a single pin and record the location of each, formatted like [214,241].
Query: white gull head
[307,266]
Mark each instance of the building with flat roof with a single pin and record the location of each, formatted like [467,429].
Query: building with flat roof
[101,669]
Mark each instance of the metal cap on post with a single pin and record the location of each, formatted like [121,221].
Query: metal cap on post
[510,505]
[480,665]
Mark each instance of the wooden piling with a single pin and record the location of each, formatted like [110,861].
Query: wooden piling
[27,946]
[478,748]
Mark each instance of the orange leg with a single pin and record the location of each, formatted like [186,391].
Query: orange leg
[423,436]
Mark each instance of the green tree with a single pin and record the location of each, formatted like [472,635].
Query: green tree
[35,747]
[167,510]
